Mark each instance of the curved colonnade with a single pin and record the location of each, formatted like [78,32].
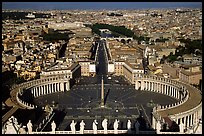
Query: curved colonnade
[39,87]
[186,111]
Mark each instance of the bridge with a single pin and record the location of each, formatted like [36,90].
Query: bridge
[127,39]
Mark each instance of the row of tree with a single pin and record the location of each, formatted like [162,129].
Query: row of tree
[119,31]
[55,36]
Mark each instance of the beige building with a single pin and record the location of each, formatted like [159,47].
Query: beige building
[84,68]
[191,73]
[190,77]
[129,71]
[70,70]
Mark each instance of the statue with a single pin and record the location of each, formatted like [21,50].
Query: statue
[137,125]
[22,130]
[53,126]
[95,126]
[11,127]
[29,126]
[104,125]
[115,126]
[158,127]
[181,127]
[129,125]
[72,125]
[82,124]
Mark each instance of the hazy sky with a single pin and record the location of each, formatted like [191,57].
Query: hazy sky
[97,5]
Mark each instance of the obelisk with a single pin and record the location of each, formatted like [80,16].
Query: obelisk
[102,93]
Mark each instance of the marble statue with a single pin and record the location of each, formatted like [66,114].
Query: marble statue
[95,123]
[158,125]
[105,126]
[29,126]
[82,124]
[22,130]
[129,125]
[181,127]
[53,126]
[137,125]
[72,125]
[115,126]
[10,126]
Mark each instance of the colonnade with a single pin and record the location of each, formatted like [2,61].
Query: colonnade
[50,88]
[25,104]
[161,87]
[189,118]
[40,87]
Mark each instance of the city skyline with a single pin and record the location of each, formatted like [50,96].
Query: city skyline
[97,5]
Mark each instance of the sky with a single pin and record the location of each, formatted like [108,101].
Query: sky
[98,5]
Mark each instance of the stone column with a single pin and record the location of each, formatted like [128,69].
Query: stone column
[149,86]
[152,88]
[41,88]
[173,92]
[56,87]
[43,91]
[136,86]
[176,95]
[47,88]
[33,92]
[186,122]
[191,123]
[191,120]
[53,87]
[142,85]
[163,89]
[36,90]
[66,86]
[194,122]
[61,87]
[39,93]
[50,88]
[159,87]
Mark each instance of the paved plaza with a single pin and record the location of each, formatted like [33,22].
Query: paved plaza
[122,101]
